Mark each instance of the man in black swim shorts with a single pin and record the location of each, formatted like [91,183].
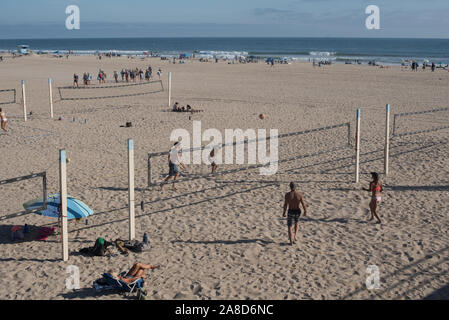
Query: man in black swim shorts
[292,201]
[173,162]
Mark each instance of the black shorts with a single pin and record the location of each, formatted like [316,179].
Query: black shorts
[173,172]
[293,217]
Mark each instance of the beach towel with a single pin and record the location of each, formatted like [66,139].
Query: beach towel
[45,232]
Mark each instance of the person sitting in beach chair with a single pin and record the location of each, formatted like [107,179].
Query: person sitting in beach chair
[131,280]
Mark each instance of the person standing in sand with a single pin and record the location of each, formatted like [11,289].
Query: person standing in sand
[173,162]
[212,160]
[75,80]
[376,188]
[293,199]
[3,120]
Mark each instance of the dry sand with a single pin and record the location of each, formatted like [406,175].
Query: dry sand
[223,237]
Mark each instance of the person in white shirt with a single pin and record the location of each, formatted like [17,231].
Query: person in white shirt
[173,162]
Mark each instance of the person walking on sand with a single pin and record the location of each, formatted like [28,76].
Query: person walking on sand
[3,120]
[376,188]
[213,160]
[75,80]
[173,162]
[293,199]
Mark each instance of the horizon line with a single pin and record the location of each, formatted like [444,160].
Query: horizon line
[229,37]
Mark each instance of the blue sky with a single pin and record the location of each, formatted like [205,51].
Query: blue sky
[171,18]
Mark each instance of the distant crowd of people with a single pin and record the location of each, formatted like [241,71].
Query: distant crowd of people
[134,74]
[415,66]
[127,75]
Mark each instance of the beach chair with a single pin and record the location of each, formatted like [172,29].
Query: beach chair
[123,286]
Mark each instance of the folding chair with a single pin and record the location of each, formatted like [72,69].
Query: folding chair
[123,286]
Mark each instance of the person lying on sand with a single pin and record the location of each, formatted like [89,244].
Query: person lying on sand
[376,188]
[188,108]
[292,201]
[136,272]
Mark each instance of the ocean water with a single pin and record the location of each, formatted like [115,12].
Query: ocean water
[387,51]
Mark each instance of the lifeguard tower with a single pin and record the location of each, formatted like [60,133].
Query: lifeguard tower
[23,49]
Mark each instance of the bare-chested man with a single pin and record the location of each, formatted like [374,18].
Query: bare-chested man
[292,201]
[3,120]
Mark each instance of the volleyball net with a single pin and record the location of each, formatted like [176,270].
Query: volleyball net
[291,148]
[8,96]
[33,186]
[72,93]
[411,123]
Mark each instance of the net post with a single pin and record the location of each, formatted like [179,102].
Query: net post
[63,201]
[169,89]
[394,125]
[24,100]
[131,198]
[50,96]
[349,133]
[44,189]
[149,170]
[387,140]
[357,149]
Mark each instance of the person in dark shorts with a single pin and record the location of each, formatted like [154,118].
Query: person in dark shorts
[292,202]
[173,162]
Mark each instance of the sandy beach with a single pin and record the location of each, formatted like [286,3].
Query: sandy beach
[224,237]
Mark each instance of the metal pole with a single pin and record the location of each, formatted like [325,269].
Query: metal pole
[169,89]
[387,140]
[24,101]
[349,135]
[63,199]
[44,189]
[51,97]
[131,199]
[357,148]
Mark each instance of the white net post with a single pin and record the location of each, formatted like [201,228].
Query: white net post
[24,101]
[357,149]
[63,201]
[131,198]
[50,96]
[169,89]
[387,140]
